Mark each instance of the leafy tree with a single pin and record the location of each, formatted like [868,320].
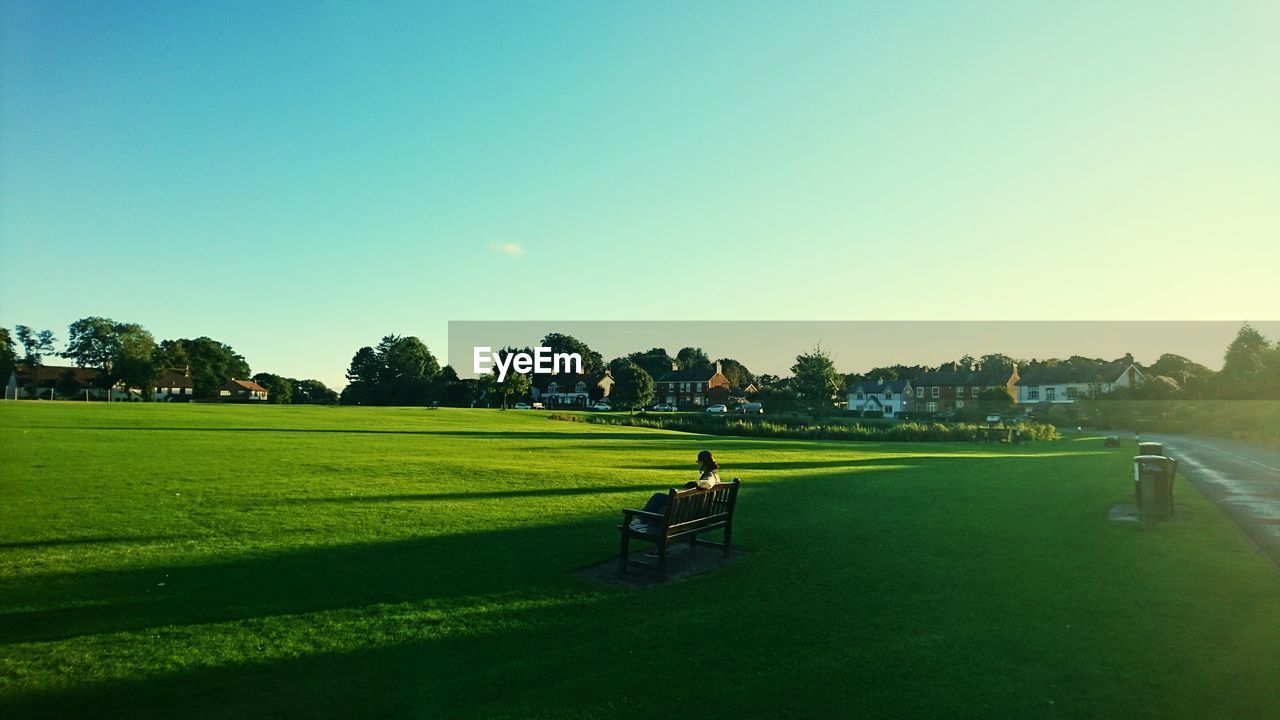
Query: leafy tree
[736,373]
[93,342]
[779,397]
[592,362]
[965,364]
[212,363]
[311,392]
[654,361]
[816,379]
[692,357]
[632,385]
[171,354]
[996,399]
[35,346]
[998,362]
[400,371]
[514,385]
[1191,377]
[1243,366]
[8,354]
[279,389]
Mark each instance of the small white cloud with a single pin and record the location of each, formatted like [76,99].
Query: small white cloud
[511,248]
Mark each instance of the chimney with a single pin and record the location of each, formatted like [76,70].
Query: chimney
[718,370]
[674,366]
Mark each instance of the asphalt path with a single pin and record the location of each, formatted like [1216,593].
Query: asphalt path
[1241,477]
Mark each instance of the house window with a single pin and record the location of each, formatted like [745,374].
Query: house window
[959,391]
[920,393]
[934,392]
[1071,392]
[888,395]
[684,387]
[1033,393]
[973,391]
[932,407]
[860,395]
[1051,394]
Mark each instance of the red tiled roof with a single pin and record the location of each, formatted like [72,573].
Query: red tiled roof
[249,385]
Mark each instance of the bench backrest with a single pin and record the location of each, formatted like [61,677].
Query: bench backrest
[697,507]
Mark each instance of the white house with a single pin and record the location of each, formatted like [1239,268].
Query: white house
[577,390]
[888,398]
[1066,384]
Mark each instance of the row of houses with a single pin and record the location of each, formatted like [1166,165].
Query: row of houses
[949,389]
[56,382]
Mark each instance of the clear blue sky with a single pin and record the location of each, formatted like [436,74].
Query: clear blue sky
[298,179]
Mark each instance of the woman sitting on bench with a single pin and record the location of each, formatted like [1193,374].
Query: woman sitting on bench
[707,465]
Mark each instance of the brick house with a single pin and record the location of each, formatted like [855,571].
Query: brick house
[951,389]
[692,387]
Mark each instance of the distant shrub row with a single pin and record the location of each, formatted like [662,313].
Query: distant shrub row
[773,428]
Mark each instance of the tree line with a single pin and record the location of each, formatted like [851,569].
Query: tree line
[127,354]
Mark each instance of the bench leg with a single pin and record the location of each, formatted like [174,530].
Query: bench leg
[624,553]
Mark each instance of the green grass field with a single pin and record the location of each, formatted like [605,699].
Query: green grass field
[189,561]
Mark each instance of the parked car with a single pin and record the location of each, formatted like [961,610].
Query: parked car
[750,408]
[539,406]
[946,416]
[602,406]
[522,406]
[663,407]
[994,418]
[717,409]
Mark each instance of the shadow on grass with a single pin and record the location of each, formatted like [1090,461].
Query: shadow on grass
[638,490]
[98,540]
[516,663]
[439,568]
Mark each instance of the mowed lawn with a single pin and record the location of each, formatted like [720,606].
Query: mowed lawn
[228,561]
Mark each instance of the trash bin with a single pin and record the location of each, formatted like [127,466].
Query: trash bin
[1150,448]
[1153,487]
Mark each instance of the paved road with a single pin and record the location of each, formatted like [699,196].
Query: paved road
[1243,478]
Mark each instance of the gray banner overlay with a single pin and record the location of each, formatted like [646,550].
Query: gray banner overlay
[858,346]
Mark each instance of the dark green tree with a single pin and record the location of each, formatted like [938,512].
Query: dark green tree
[998,362]
[1243,366]
[400,371]
[279,389]
[692,357]
[93,342]
[592,362]
[632,385]
[513,387]
[36,344]
[816,380]
[212,363]
[654,361]
[8,355]
[736,373]
[996,399]
[311,392]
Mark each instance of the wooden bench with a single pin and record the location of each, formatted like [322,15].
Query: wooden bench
[689,513]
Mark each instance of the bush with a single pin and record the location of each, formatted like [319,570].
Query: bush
[798,429]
